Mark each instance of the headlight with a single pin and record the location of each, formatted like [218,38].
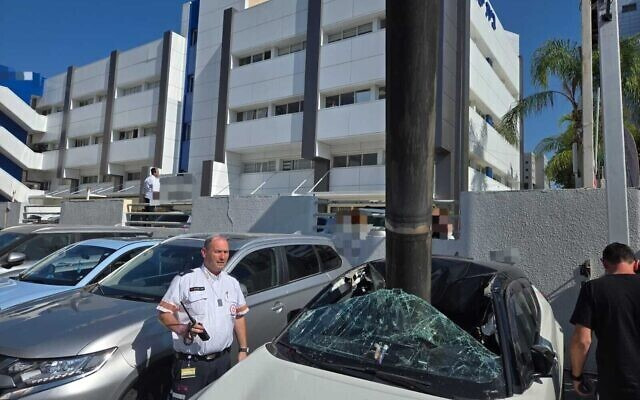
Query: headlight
[27,373]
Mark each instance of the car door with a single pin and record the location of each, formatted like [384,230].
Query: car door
[304,276]
[260,275]
[524,315]
[116,263]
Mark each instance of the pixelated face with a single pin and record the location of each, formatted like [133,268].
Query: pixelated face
[216,255]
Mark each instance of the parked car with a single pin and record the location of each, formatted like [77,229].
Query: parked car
[105,342]
[487,334]
[21,246]
[75,266]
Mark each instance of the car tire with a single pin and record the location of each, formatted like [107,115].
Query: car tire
[153,383]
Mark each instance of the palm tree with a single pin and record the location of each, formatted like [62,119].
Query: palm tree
[561,59]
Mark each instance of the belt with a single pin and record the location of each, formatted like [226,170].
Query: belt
[205,357]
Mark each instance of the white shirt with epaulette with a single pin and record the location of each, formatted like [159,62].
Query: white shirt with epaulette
[215,301]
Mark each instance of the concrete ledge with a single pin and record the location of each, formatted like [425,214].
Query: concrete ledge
[94,212]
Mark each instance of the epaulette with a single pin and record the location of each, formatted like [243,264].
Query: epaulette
[188,271]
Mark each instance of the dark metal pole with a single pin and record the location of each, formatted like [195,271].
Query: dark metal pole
[411,64]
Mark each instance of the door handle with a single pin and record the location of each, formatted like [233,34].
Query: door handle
[277,307]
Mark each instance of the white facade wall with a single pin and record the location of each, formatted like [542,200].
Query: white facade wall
[356,63]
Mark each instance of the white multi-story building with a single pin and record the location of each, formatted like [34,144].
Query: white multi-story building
[268,97]
[288,96]
[99,123]
[628,17]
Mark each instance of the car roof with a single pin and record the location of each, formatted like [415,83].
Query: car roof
[242,239]
[116,243]
[53,228]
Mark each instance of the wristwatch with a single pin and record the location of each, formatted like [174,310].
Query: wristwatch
[244,350]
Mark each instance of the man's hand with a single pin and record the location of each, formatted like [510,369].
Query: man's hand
[578,389]
[242,355]
[196,329]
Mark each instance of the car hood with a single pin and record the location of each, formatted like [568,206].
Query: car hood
[261,376]
[14,292]
[76,322]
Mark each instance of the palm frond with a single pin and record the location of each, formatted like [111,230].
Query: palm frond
[509,123]
[558,58]
[560,169]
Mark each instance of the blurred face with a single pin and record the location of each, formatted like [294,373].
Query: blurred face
[156,173]
[216,255]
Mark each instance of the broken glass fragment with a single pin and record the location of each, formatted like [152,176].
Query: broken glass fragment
[394,329]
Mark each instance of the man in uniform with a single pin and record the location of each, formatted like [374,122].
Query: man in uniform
[215,301]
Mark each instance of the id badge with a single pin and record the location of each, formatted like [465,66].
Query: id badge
[219,302]
[186,373]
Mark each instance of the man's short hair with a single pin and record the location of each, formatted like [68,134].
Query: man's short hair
[213,238]
[153,170]
[616,253]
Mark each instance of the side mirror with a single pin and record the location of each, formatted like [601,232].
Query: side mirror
[245,292]
[14,259]
[544,359]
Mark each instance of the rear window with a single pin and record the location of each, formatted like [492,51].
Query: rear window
[329,258]
[302,261]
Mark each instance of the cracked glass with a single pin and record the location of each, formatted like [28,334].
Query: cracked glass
[393,329]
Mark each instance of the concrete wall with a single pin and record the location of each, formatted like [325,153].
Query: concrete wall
[271,214]
[94,212]
[12,211]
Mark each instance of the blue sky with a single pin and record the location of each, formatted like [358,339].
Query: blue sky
[47,36]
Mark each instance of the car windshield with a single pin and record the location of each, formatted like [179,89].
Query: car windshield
[148,276]
[358,325]
[7,239]
[68,266]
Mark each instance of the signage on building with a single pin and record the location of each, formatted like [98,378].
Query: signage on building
[488,13]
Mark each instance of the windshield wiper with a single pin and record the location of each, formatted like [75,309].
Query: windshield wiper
[363,372]
[136,297]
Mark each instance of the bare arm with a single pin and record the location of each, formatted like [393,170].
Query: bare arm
[580,344]
[240,327]
[169,320]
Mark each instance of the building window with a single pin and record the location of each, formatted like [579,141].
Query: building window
[81,142]
[85,102]
[152,85]
[282,51]
[149,131]
[128,134]
[186,132]
[248,115]
[190,83]
[343,99]
[382,93]
[289,108]
[97,139]
[131,90]
[193,37]
[350,32]
[355,160]
[45,111]
[89,179]
[259,166]
[59,109]
[629,7]
[265,55]
[133,176]
[383,23]
[291,165]
[100,98]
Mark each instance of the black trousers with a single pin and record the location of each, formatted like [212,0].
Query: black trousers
[205,373]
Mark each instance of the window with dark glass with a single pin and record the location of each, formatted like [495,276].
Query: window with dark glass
[629,7]
[355,160]
[329,258]
[370,159]
[332,101]
[339,161]
[193,38]
[257,271]
[301,261]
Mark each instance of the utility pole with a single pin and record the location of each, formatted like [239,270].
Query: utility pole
[588,177]
[411,64]
[614,159]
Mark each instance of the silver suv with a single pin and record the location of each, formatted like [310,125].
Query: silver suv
[105,342]
[22,246]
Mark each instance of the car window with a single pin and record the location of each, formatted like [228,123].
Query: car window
[329,258]
[523,323]
[301,261]
[43,244]
[257,271]
[68,266]
[7,239]
[119,262]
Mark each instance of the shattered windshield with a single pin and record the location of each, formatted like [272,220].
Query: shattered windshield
[389,331]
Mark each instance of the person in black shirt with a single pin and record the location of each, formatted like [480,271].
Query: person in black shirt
[610,307]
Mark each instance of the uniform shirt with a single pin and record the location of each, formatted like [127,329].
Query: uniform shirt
[214,301]
[151,184]
[610,306]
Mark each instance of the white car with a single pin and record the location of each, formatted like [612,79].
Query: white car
[69,268]
[489,334]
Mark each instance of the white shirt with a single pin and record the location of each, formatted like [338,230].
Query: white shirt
[214,301]
[151,184]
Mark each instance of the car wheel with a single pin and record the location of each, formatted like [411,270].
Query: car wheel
[153,383]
